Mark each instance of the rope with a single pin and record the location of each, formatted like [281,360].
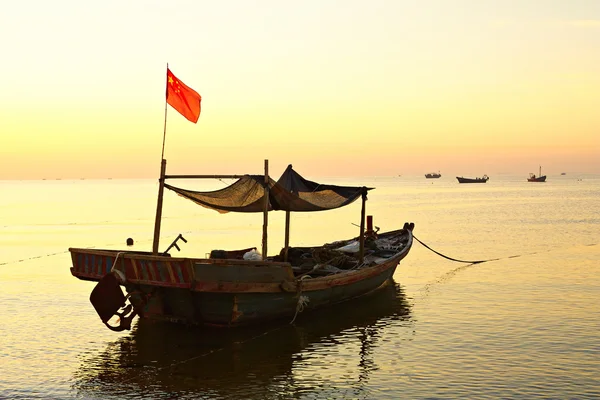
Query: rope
[302,300]
[454,259]
[88,247]
[120,274]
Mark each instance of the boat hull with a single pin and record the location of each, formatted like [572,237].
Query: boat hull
[471,180]
[537,179]
[225,292]
[231,309]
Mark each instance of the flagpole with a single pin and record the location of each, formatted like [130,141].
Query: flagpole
[161,185]
[162,155]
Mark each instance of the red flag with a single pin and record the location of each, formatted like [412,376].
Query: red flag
[183,98]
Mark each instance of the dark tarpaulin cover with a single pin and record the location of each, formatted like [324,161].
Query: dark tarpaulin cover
[290,193]
[244,195]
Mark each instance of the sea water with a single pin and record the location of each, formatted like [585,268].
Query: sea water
[523,326]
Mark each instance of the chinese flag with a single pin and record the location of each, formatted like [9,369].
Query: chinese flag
[183,98]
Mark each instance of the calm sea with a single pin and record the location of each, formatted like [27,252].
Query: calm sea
[525,326]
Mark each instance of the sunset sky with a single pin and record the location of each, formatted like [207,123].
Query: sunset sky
[336,88]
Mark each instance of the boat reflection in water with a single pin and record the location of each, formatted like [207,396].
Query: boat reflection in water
[160,360]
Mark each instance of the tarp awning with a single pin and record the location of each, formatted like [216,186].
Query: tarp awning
[290,193]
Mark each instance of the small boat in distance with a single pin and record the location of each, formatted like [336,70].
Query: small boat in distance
[563,173]
[433,175]
[483,179]
[539,178]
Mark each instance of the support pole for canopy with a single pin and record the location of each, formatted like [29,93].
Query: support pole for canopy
[161,189]
[203,176]
[287,235]
[362,227]
[265,212]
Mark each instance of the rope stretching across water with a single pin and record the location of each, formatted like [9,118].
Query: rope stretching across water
[454,259]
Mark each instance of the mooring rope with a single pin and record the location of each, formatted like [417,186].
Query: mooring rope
[454,259]
[302,300]
[88,247]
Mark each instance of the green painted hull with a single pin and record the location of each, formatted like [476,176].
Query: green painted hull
[230,292]
[240,309]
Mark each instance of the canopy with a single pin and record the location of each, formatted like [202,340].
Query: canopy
[290,193]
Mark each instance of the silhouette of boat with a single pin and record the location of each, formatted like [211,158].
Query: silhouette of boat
[483,179]
[433,175]
[539,178]
[243,287]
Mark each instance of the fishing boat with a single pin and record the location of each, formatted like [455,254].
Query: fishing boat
[538,178]
[243,287]
[433,175]
[483,179]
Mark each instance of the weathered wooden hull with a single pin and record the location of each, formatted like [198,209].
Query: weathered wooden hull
[237,308]
[224,292]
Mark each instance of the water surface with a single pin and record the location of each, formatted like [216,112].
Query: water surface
[524,326]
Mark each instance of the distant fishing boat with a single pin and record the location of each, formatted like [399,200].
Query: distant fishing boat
[433,175]
[483,179]
[539,178]
[563,173]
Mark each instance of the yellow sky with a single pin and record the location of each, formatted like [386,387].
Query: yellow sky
[335,88]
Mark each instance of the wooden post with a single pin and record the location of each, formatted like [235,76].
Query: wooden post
[161,188]
[362,227]
[287,235]
[265,212]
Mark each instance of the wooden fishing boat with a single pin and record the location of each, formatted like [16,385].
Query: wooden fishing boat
[242,287]
[227,290]
[483,179]
[538,178]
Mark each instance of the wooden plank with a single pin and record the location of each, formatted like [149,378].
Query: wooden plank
[148,256]
[240,273]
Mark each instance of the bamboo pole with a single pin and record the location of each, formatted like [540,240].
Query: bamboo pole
[161,189]
[204,176]
[362,227]
[265,212]
[287,235]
